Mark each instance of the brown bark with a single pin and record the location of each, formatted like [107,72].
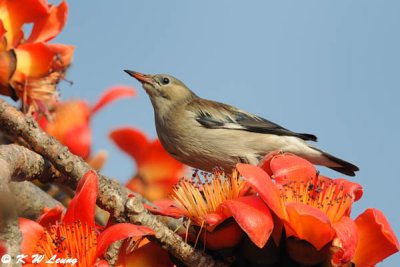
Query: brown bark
[111,196]
[31,200]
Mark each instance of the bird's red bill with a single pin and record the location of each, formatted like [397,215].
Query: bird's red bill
[139,76]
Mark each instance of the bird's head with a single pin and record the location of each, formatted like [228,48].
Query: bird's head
[163,90]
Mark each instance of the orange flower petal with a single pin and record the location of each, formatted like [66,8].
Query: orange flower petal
[265,163]
[8,63]
[34,60]
[97,161]
[113,94]
[152,190]
[82,206]
[51,216]
[137,185]
[285,166]
[63,53]
[377,240]
[3,249]
[262,183]
[226,236]
[3,41]
[39,59]
[46,27]
[160,189]
[101,263]
[2,29]
[31,232]
[151,254]
[15,13]
[345,241]
[131,141]
[309,224]
[157,165]
[61,124]
[154,164]
[79,140]
[118,232]
[166,207]
[212,220]
[252,215]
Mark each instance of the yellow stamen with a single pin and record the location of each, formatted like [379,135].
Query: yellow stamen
[68,242]
[200,196]
[326,195]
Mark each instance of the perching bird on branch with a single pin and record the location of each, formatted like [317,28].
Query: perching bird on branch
[205,134]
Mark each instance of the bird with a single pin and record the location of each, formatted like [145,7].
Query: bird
[206,134]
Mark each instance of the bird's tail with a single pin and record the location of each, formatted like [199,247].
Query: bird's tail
[338,165]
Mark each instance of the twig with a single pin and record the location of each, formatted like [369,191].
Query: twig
[23,198]
[18,163]
[112,196]
[111,256]
[10,235]
[31,199]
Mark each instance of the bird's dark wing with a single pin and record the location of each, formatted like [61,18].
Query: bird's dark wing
[216,115]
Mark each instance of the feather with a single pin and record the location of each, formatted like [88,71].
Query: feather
[216,115]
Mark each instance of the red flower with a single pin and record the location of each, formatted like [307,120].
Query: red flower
[3,249]
[312,207]
[70,121]
[142,253]
[74,235]
[209,201]
[364,242]
[157,171]
[376,241]
[30,67]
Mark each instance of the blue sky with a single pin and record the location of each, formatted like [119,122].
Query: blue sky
[327,68]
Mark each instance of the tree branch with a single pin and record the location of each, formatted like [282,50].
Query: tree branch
[9,230]
[111,196]
[31,199]
[24,198]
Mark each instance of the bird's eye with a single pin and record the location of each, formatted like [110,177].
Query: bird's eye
[165,80]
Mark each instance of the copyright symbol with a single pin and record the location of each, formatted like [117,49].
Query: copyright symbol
[6,258]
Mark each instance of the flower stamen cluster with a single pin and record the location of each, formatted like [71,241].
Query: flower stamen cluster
[202,195]
[329,196]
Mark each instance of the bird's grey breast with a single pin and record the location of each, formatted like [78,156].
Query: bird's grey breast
[172,131]
[193,144]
